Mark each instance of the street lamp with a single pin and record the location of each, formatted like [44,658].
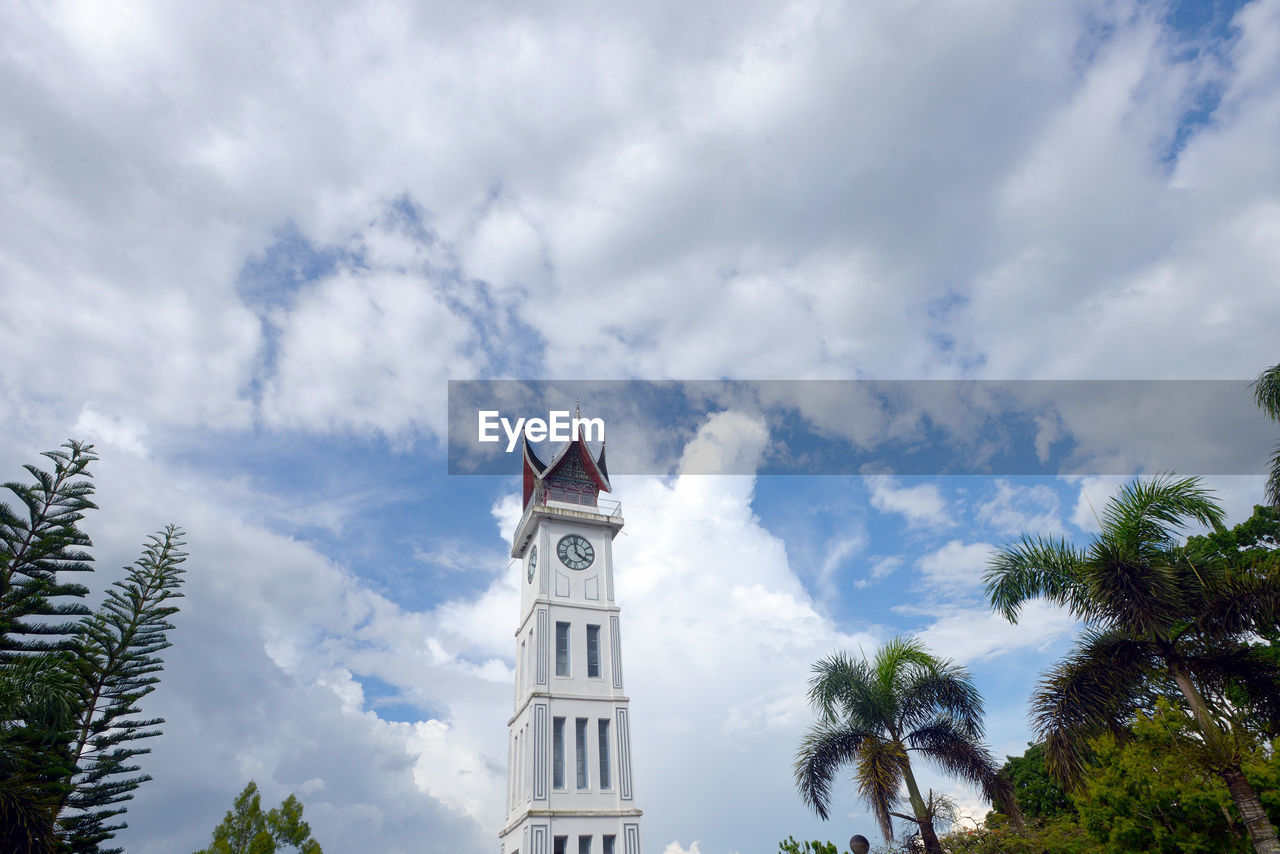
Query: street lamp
[859,844]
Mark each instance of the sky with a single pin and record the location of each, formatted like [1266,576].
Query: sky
[245,246]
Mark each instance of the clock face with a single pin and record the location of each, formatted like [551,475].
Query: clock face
[575,552]
[533,562]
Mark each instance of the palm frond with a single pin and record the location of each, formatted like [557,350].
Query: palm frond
[948,745]
[1273,478]
[879,779]
[945,688]
[1156,509]
[841,687]
[1239,603]
[1266,391]
[895,667]
[1137,585]
[1034,567]
[825,748]
[1096,688]
[1246,677]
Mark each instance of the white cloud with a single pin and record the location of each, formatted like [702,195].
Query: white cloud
[838,552]
[976,634]
[881,568]
[729,442]
[114,431]
[676,848]
[764,190]
[921,505]
[273,640]
[1015,510]
[1095,491]
[956,567]
[367,351]
[1236,494]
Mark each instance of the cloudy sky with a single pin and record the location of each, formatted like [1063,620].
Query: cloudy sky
[243,248]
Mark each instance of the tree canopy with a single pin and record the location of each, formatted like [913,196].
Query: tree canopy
[246,829]
[874,713]
[1162,619]
[71,680]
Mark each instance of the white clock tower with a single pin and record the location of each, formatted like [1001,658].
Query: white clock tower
[569,779]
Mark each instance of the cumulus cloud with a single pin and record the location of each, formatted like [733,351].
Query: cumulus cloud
[227,226]
[727,442]
[676,848]
[275,643]
[1014,510]
[921,505]
[689,190]
[956,567]
[976,634]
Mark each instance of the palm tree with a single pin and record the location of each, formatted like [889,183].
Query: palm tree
[1160,618]
[874,714]
[1266,391]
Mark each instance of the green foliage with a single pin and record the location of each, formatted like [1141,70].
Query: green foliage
[37,542]
[791,846]
[1251,549]
[36,712]
[1162,619]
[1151,791]
[69,688]
[116,662]
[1040,795]
[246,829]
[1266,393]
[1146,792]
[872,712]
[1061,835]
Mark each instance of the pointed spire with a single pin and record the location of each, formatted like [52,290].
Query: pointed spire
[604,469]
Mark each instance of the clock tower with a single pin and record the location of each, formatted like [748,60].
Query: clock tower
[569,773]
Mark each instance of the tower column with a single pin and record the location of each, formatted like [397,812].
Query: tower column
[571,783]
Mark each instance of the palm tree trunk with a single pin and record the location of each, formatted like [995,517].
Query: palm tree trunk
[927,834]
[1261,832]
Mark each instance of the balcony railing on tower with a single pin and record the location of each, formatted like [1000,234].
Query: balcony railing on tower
[557,495]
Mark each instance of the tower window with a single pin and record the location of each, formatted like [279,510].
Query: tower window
[562,649]
[559,844]
[607,844]
[584,845]
[581,739]
[557,753]
[520,667]
[593,652]
[603,725]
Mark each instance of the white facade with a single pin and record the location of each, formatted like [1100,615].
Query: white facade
[569,783]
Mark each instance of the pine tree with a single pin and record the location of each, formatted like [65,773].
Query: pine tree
[38,541]
[116,661]
[37,545]
[71,680]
